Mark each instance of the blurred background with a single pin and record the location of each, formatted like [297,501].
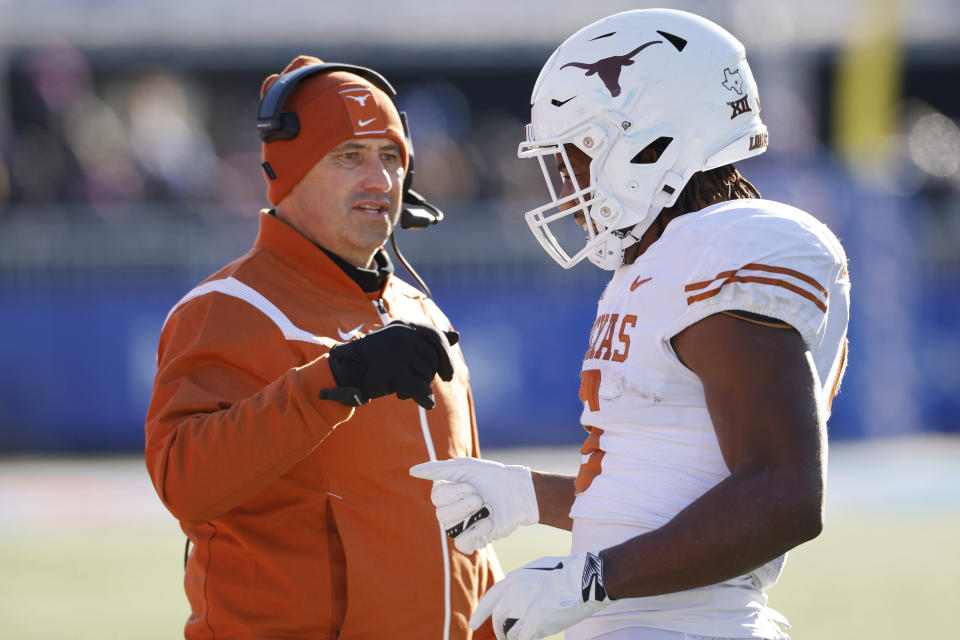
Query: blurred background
[129,171]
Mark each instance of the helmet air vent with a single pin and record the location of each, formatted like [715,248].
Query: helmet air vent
[676,41]
[652,152]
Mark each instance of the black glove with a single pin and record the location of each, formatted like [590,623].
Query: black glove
[401,358]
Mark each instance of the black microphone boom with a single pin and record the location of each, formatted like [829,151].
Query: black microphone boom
[417,213]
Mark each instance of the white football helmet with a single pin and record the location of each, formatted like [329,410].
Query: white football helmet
[651,77]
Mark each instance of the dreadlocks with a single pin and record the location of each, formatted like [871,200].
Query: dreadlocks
[706,188]
[710,187]
[702,190]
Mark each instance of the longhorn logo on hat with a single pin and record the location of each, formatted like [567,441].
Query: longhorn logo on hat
[363,111]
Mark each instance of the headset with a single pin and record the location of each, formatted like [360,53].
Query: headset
[274,123]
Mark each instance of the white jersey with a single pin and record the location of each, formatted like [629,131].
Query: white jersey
[652,449]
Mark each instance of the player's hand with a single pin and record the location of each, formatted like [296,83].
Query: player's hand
[479,500]
[400,358]
[544,597]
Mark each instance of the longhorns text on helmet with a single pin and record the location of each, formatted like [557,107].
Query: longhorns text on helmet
[616,86]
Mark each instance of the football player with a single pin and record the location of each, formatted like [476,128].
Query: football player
[718,345]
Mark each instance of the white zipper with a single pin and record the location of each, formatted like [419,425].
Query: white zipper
[428,441]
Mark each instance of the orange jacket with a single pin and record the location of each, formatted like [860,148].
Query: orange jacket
[305,521]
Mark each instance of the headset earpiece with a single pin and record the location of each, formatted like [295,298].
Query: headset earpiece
[284,127]
[275,124]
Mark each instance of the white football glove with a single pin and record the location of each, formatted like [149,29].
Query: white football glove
[479,500]
[544,597]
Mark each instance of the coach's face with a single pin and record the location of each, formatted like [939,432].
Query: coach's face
[349,201]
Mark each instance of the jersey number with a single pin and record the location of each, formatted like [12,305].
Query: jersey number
[591,454]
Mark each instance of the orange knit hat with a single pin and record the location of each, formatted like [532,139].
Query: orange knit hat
[332,107]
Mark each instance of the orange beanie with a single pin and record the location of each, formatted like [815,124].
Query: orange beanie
[332,107]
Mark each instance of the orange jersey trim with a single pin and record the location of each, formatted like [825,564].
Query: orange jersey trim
[591,468]
[730,276]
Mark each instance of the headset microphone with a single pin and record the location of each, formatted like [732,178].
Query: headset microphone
[417,213]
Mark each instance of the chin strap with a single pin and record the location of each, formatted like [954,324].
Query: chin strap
[630,238]
[627,240]
[633,235]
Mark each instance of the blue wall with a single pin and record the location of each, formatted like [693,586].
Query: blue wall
[78,358]
[77,349]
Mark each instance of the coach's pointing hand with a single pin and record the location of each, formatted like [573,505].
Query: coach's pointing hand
[401,358]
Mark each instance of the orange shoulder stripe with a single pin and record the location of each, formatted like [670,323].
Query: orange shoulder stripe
[787,272]
[706,283]
[727,277]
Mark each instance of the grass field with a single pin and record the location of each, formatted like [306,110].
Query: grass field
[86,550]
